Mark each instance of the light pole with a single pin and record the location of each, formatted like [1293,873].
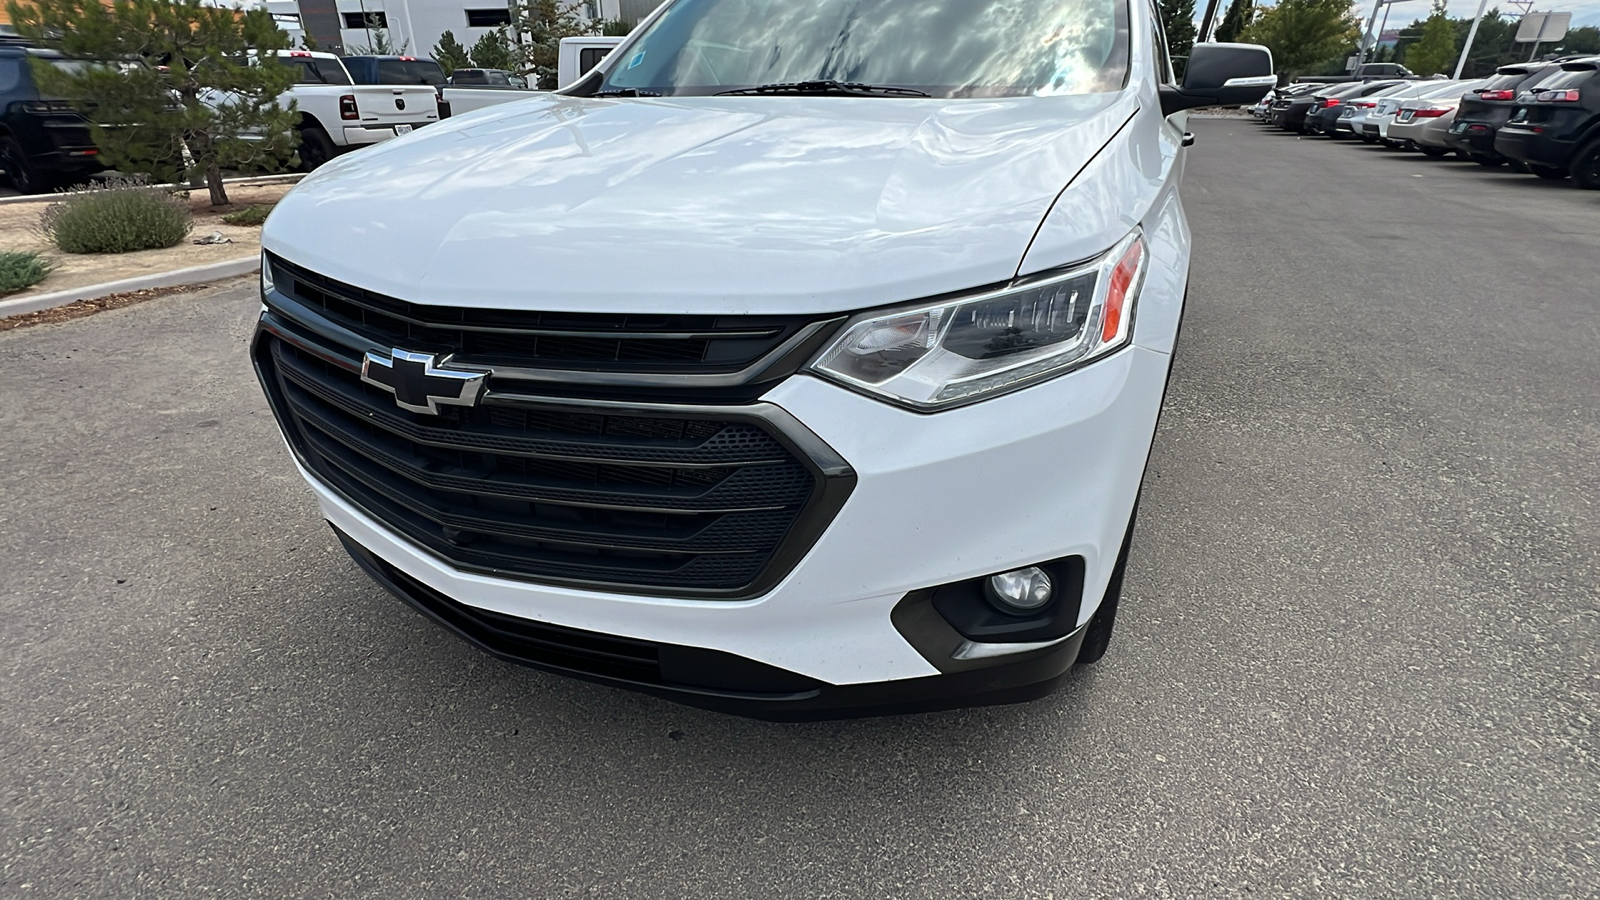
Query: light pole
[1472,34]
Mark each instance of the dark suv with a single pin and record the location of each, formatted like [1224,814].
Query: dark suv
[1556,128]
[44,143]
[1484,111]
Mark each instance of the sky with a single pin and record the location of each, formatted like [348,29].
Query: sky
[1584,12]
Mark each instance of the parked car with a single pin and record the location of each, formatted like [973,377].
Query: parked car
[489,78]
[1424,122]
[791,456]
[1276,104]
[1356,112]
[1556,128]
[1367,72]
[408,70]
[1324,114]
[1299,108]
[1483,112]
[44,142]
[1384,115]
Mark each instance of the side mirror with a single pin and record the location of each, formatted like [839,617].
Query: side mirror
[1221,75]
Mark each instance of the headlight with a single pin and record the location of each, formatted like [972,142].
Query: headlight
[935,356]
[266,275]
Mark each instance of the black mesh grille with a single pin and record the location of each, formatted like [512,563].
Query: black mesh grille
[675,344]
[661,502]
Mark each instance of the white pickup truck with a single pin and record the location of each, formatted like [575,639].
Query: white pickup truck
[578,56]
[337,115]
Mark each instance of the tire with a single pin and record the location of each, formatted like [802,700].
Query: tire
[1368,139]
[1098,635]
[1586,166]
[1433,152]
[23,175]
[1518,165]
[1489,161]
[316,148]
[1548,173]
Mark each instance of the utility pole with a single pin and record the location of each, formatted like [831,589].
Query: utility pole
[1472,34]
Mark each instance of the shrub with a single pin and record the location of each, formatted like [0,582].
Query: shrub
[21,270]
[250,215]
[118,218]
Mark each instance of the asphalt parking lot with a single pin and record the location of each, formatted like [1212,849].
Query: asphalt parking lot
[1357,655]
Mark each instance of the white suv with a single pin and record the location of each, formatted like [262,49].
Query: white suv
[802,359]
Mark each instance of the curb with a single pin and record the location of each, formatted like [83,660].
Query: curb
[228,268]
[288,177]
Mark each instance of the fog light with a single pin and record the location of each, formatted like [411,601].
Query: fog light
[1019,591]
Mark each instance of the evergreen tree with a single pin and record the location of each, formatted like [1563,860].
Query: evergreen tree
[1437,50]
[449,53]
[1177,17]
[184,92]
[1238,17]
[540,25]
[1303,33]
[492,51]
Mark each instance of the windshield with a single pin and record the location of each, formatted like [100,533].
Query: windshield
[944,48]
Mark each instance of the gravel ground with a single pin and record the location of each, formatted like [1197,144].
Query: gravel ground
[1357,655]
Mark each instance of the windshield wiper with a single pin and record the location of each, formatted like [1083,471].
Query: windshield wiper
[828,88]
[626,92]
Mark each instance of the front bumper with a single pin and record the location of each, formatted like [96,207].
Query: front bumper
[1046,473]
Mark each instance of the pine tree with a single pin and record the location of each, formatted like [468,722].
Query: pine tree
[449,53]
[540,25]
[1238,17]
[492,51]
[186,98]
[1177,17]
[1437,50]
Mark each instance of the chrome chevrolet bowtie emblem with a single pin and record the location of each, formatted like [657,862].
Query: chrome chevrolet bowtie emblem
[419,382]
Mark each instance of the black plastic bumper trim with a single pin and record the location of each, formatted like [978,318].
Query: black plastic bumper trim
[711,679]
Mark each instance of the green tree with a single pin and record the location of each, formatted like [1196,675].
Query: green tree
[1437,50]
[1177,17]
[449,53]
[617,27]
[1303,33]
[540,25]
[380,42]
[176,89]
[492,51]
[1582,40]
[1238,17]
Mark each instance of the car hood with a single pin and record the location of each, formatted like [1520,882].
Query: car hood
[728,204]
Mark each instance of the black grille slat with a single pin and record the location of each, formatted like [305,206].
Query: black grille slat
[619,499]
[355,399]
[679,344]
[609,483]
[451,472]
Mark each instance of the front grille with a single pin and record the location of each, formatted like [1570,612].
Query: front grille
[603,342]
[713,501]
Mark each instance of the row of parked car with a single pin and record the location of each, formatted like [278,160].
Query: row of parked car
[1540,117]
[343,104]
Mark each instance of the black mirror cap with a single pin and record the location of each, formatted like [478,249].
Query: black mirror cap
[1221,75]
